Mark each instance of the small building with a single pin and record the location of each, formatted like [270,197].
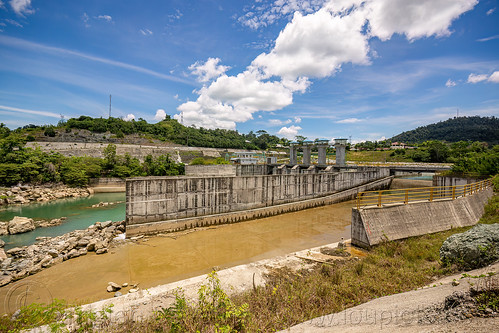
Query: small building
[244,158]
[398,145]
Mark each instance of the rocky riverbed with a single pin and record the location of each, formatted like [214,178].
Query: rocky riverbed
[20,262]
[19,225]
[24,194]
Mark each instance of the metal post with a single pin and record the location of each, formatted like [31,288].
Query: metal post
[431,194]
[379,198]
[453,192]
[406,196]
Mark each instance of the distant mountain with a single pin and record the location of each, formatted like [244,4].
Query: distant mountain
[484,129]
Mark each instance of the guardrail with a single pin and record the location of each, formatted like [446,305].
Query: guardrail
[405,196]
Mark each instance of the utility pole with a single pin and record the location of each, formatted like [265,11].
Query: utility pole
[109,105]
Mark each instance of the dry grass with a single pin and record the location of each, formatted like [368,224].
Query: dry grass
[290,297]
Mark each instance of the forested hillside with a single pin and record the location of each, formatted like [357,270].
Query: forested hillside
[172,131]
[483,129]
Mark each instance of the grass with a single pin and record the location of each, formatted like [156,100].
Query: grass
[376,156]
[291,297]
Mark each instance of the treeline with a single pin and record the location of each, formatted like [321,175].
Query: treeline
[483,129]
[20,164]
[466,156]
[172,131]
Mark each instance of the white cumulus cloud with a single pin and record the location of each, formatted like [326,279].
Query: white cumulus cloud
[208,70]
[289,132]
[297,120]
[494,77]
[232,99]
[321,37]
[129,117]
[450,83]
[160,115]
[414,19]
[316,45]
[475,78]
[22,7]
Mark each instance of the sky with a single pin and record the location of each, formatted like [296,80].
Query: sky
[356,69]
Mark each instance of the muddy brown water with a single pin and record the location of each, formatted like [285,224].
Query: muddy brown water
[173,257]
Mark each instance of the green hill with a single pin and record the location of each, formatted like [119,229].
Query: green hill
[483,129]
[116,130]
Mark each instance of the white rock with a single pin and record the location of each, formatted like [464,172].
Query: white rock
[20,224]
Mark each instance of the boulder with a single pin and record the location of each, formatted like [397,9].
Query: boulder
[474,248]
[45,262]
[106,224]
[20,224]
[3,256]
[15,251]
[53,253]
[5,279]
[4,228]
[83,242]
[101,251]
[91,245]
[2,243]
[73,254]
[114,286]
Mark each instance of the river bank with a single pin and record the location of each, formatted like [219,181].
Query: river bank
[20,262]
[25,194]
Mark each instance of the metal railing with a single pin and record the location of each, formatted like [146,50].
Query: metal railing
[405,196]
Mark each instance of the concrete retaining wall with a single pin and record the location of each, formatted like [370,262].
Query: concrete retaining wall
[371,226]
[107,185]
[250,214]
[210,170]
[452,181]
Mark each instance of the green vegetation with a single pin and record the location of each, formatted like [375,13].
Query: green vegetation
[475,128]
[288,297]
[172,131]
[471,158]
[21,164]
[208,161]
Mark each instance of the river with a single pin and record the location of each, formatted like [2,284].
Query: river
[79,213]
[173,257]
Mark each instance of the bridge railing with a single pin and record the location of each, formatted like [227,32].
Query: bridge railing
[405,196]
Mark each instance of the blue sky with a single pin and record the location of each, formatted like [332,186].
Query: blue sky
[318,68]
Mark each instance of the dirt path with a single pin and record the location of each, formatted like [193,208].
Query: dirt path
[409,311]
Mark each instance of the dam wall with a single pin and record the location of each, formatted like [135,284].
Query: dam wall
[371,226]
[182,202]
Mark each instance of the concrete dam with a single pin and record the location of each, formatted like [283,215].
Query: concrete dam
[166,204]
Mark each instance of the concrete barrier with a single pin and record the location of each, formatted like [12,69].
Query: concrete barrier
[154,206]
[371,226]
[107,185]
[210,170]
